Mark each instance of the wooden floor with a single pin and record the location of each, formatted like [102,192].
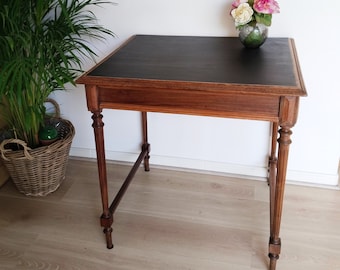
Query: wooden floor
[167,220]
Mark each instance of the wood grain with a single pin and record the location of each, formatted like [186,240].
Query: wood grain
[167,220]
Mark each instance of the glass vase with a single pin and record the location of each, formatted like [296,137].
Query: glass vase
[253,36]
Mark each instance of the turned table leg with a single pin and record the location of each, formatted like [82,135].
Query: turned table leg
[272,164]
[146,145]
[272,172]
[276,196]
[106,218]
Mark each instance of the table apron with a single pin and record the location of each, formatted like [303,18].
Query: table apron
[231,105]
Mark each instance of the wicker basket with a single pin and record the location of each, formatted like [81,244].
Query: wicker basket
[39,171]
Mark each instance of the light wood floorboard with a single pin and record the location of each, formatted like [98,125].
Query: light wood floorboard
[167,220]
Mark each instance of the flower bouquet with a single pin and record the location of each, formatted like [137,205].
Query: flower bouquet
[252,17]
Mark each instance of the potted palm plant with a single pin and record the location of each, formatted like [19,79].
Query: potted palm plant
[43,45]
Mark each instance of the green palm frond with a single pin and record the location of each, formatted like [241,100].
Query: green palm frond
[43,46]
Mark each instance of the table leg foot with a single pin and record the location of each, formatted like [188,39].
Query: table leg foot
[274,252]
[106,222]
[108,236]
[273,260]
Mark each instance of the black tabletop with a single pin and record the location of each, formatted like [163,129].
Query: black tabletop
[201,59]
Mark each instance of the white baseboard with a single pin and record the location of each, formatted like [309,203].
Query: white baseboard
[247,171]
[313,179]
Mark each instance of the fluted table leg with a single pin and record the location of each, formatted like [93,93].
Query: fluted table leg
[275,241]
[106,218]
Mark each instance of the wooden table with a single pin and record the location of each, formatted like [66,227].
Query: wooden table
[207,76]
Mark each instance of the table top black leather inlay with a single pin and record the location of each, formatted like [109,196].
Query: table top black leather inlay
[201,59]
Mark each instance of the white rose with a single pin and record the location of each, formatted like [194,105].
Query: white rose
[242,14]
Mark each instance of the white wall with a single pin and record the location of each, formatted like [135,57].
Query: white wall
[224,145]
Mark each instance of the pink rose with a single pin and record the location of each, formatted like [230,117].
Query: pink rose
[266,6]
[236,3]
